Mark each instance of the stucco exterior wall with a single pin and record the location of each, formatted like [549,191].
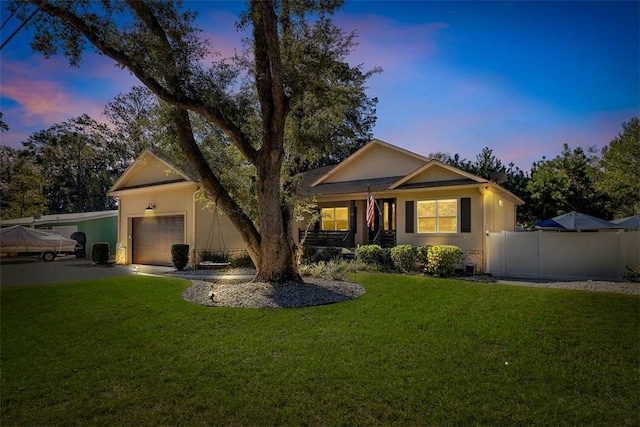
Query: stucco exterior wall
[500,212]
[378,162]
[466,241]
[173,201]
[217,235]
[201,230]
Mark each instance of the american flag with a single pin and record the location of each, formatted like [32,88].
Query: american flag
[371,209]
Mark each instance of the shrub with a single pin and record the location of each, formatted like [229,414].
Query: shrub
[442,259]
[100,252]
[180,256]
[314,254]
[213,256]
[632,274]
[403,257]
[242,261]
[370,254]
[338,268]
[422,256]
[335,269]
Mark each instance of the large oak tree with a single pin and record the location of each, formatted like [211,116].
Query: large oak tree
[302,93]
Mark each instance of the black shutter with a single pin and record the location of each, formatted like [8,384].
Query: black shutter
[353,213]
[408,223]
[465,215]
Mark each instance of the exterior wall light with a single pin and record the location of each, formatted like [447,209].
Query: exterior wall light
[150,207]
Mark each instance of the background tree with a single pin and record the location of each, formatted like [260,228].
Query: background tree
[21,185]
[618,173]
[24,192]
[565,184]
[78,160]
[487,163]
[3,126]
[293,67]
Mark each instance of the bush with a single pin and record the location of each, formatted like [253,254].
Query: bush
[403,257]
[370,254]
[632,274]
[213,256]
[442,259]
[100,252]
[180,256]
[422,256]
[314,254]
[242,261]
[335,269]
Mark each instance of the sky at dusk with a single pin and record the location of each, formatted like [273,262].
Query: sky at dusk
[519,77]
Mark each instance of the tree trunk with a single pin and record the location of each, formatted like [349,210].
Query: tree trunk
[276,260]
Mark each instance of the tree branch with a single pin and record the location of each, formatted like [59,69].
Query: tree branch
[179,99]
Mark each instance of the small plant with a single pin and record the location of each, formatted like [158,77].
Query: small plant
[370,254]
[180,256]
[314,254]
[318,269]
[242,261]
[100,252]
[632,274]
[214,256]
[443,259]
[338,268]
[403,257]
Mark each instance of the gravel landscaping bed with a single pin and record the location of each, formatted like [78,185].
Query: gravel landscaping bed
[226,293]
[230,288]
[585,285]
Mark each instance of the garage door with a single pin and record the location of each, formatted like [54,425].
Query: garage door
[153,238]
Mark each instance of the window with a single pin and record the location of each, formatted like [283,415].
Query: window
[335,219]
[437,216]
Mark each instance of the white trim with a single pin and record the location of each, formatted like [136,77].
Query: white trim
[152,188]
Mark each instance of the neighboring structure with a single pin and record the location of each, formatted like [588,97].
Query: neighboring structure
[98,226]
[420,201]
[158,206]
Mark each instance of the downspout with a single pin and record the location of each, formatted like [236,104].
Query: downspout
[194,230]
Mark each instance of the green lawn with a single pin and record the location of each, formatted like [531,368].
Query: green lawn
[412,350]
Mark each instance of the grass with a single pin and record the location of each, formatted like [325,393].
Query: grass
[413,350]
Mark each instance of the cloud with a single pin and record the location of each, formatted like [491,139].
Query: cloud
[385,42]
[458,112]
[37,92]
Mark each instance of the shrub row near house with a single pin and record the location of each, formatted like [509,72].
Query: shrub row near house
[439,260]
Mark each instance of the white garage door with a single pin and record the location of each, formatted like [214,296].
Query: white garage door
[153,238]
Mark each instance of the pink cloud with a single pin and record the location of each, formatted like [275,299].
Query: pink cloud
[386,43]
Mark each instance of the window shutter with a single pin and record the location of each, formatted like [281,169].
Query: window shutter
[408,222]
[354,217]
[465,215]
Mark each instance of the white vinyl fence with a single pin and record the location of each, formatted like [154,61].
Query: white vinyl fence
[562,255]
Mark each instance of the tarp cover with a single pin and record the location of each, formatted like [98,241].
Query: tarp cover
[575,221]
[628,222]
[23,237]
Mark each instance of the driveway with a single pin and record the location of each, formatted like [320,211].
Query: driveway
[30,271]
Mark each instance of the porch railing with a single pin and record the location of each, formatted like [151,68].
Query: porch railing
[385,238]
[339,239]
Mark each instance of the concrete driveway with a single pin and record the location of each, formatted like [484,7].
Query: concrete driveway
[30,271]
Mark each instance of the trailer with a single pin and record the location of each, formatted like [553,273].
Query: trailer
[20,240]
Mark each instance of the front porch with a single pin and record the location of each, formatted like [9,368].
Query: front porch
[344,239]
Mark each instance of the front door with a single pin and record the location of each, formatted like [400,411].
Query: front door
[383,229]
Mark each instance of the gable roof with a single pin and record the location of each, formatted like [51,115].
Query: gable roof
[418,173]
[467,177]
[172,174]
[411,160]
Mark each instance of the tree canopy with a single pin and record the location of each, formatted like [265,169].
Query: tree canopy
[291,94]
[618,174]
